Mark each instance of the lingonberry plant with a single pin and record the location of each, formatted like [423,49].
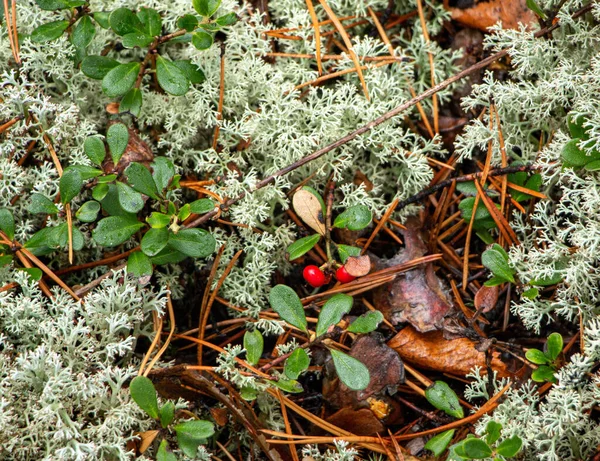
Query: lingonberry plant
[132,30]
[546,360]
[488,446]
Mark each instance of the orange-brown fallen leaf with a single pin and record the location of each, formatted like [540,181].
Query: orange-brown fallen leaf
[486,298]
[485,14]
[433,352]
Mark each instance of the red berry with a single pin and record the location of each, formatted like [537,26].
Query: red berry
[314,276]
[343,276]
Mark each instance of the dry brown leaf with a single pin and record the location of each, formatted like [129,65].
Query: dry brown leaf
[359,422]
[146,439]
[309,209]
[357,266]
[433,352]
[486,298]
[485,14]
[136,151]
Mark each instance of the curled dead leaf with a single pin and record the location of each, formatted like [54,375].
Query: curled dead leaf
[357,266]
[486,298]
[433,352]
[309,209]
[146,439]
[484,14]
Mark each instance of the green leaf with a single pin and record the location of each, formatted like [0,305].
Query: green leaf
[5,260]
[33,272]
[497,264]
[39,203]
[352,372]
[114,230]
[494,281]
[69,185]
[302,246]
[83,34]
[112,206]
[162,172]
[483,218]
[144,394]
[296,363]
[366,323]
[476,448]
[354,218]
[332,312]
[102,18]
[49,31]
[536,356]
[44,241]
[553,346]
[158,220]
[123,21]
[573,155]
[202,40]
[97,67]
[206,8]
[121,79]
[170,77]
[442,397]
[184,212]
[151,21]
[154,241]
[190,434]
[594,165]
[533,6]
[196,243]
[510,447]
[492,430]
[248,394]
[188,22]
[543,373]
[254,344]
[201,206]
[132,102]
[138,264]
[141,180]
[117,138]
[52,5]
[168,256]
[137,39]
[94,149]
[7,223]
[100,191]
[288,385]
[287,304]
[191,71]
[531,293]
[88,212]
[167,413]
[129,199]
[227,19]
[345,251]
[86,172]
[163,454]
[107,178]
[437,445]
[576,126]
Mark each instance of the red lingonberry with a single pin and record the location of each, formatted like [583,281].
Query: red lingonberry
[314,276]
[343,276]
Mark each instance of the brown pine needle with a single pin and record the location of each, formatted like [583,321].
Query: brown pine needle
[381,223]
[326,77]
[158,333]
[48,272]
[436,122]
[317,28]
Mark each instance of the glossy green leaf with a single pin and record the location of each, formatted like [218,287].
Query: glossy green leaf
[576,157]
[117,138]
[94,149]
[254,344]
[332,312]
[302,246]
[167,414]
[201,206]
[158,220]
[510,447]
[49,31]
[442,397]
[536,356]
[492,432]
[227,19]
[88,212]
[155,240]
[44,241]
[533,6]
[288,385]
[132,102]
[206,8]
[170,77]
[138,264]
[100,191]
[354,218]
[130,200]
[151,21]
[168,256]
[121,79]
[137,39]
[196,243]
[97,67]
[483,218]
[296,363]
[5,260]
[476,448]
[123,21]
[141,180]
[188,22]
[82,35]
[102,18]
[69,185]
[162,172]
[39,203]
[191,434]
[352,372]
[531,293]
[184,212]
[543,374]
[51,5]
[144,394]
[86,172]
[366,323]
[202,40]
[191,71]
[33,272]
[576,126]
[553,346]
[248,394]
[345,251]
[438,444]
[163,454]
[115,230]
[287,304]
[495,261]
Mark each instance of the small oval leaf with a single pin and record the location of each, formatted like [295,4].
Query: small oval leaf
[287,304]
[442,397]
[254,344]
[308,207]
[352,372]
[296,363]
[354,218]
[366,323]
[332,312]
[144,394]
[302,246]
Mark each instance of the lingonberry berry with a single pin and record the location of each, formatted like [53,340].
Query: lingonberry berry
[343,276]
[314,276]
